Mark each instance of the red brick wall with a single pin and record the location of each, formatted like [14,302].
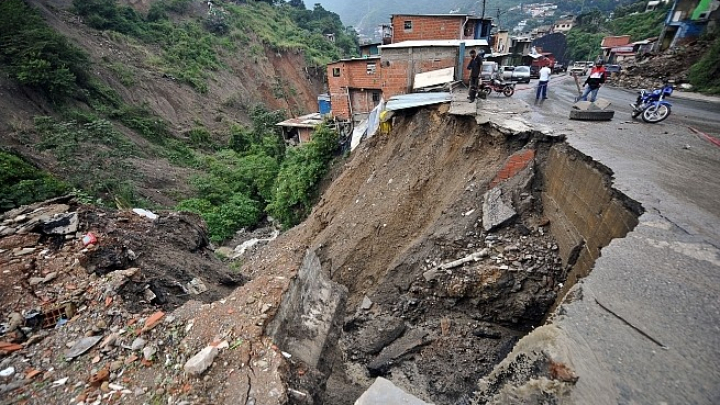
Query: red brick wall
[354,76]
[513,166]
[427,27]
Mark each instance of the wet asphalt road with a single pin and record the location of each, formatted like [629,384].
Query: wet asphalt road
[664,277]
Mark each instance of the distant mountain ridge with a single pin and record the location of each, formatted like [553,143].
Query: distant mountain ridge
[367,15]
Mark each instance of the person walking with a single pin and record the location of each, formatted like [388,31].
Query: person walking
[475,66]
[595,79]
[541,93]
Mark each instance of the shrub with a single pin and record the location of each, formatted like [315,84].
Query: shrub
[22,183]
[36,56]
[297,183]
[705,74]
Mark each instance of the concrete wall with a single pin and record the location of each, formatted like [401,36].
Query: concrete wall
[310,316]
[585,213]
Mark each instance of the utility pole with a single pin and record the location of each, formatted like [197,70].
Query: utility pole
[483,12]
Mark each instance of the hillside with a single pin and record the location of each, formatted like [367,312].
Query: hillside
[136,103]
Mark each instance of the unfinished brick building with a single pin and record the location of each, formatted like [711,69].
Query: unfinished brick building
[420,43]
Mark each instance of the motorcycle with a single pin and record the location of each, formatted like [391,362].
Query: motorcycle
[651,105]
[499,86]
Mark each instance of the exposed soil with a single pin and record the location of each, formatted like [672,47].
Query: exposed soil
[233,91]
[390,228]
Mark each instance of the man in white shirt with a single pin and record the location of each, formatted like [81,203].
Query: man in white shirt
[541,93]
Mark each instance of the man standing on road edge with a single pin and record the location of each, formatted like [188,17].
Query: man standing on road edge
[593,82]
[541,92]
[475,66]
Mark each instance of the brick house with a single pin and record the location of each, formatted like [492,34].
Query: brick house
[417,27]
[356,85]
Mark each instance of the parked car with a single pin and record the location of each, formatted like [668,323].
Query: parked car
[521,74]
[506,72]
[578,70]
[613,69]
[559,68]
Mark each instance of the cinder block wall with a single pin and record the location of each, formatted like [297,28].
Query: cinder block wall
[400,65]
[585,213]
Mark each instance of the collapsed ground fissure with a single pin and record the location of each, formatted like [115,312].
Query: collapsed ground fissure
[436,297]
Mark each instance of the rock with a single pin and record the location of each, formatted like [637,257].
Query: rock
[61,224]
[366,303]
[82,346]
[201,361]
[115,366]
[196,286]
[149,352]
[383,391]
[495,211]
[50,277]
[7,372]
[36,280]
[138,344]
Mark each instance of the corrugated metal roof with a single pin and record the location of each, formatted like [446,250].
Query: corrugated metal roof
[365,58]
[451,42]
[413,100]
[305,121]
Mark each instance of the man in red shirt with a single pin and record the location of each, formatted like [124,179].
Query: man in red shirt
[593,82]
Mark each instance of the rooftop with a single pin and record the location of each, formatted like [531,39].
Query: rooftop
[451,42]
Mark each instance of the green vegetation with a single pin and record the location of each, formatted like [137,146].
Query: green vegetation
[258,175]
[22,183]
[297,181]
[583,41]
[238,183]
[705,74]
[191,48]
[36,56]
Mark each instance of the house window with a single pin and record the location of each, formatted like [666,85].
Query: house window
[336,72]
[408,26]
[376,96]
[371,68]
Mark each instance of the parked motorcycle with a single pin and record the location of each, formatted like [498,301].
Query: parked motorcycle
[498,86]
[651,105]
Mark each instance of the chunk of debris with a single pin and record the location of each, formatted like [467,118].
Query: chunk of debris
[495,211]
[82,346]
[201,361]
[383,391]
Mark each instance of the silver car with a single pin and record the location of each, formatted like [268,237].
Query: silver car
[521,74]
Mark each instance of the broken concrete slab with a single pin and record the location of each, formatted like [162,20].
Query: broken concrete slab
[310,314]
[383,391]
[82,346]
[61,224]
[495,211]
